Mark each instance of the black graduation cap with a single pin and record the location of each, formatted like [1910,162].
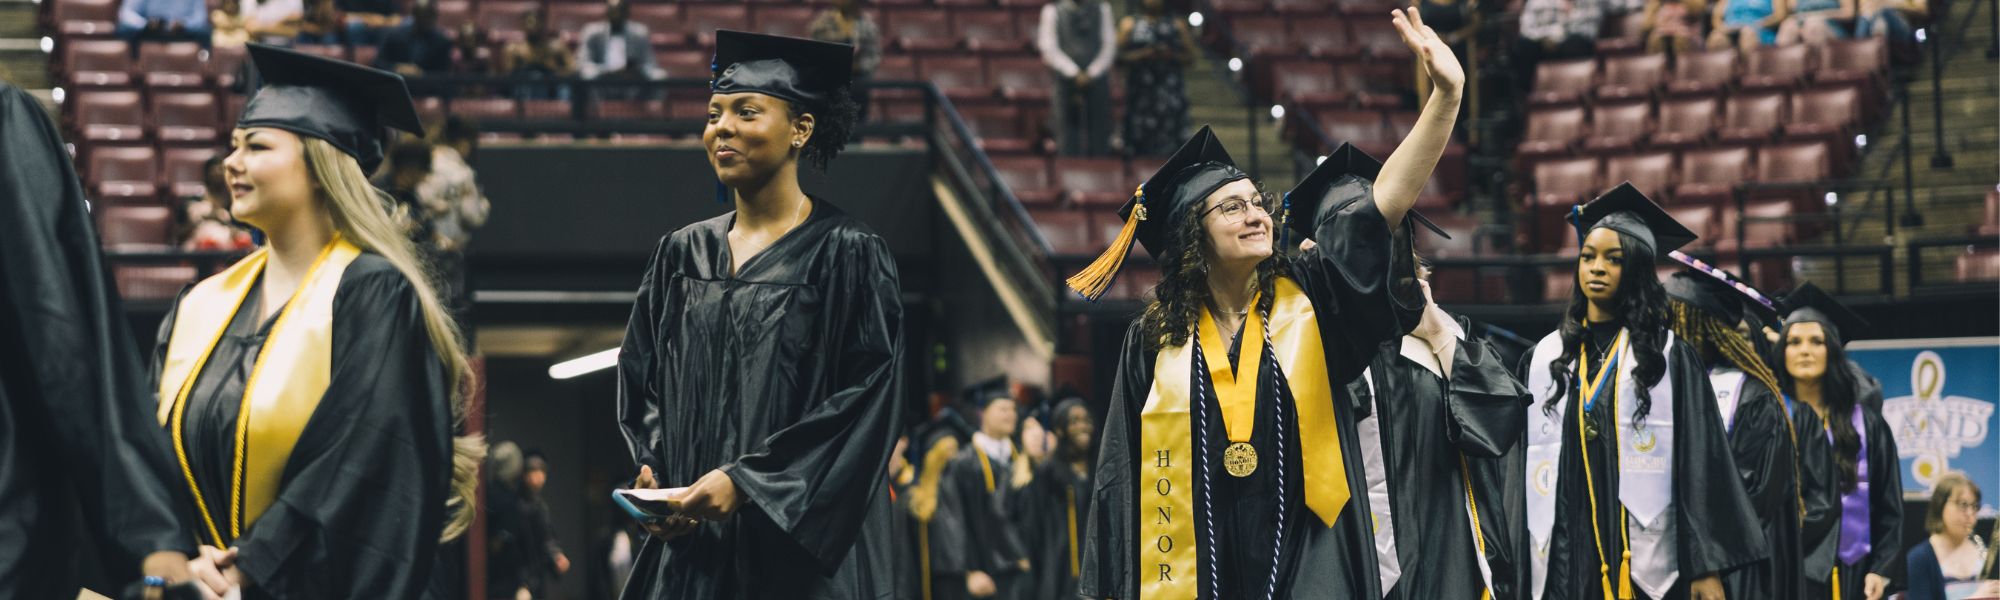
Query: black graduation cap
[980,394]
[1625,210]
[1809,303]
[1196,170]
[1705,292]
[795,69]
[341,102]
[1348,174]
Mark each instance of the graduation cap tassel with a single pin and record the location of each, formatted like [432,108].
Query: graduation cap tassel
[1625,576]
[721,193]
[1093,280]
[1284,220]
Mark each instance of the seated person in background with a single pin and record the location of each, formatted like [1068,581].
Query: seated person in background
[539,56]
[227,24]
[469,55]
[163,20]
[275,21]
[416,47]
[1816,21]
[1555,29]
[1675,24]
[322,23]
[368,20]
[208,225]
[618,49]
[1947,563]
[1747,24]
[1892,18]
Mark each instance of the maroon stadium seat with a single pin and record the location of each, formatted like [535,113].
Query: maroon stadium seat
[1563,81]
[1618,127]
[1095,181]
[1651,172]
[1020,78]
[629,110]
[1302,7]
[998,126]
[1559,284]
[1374,84]
[1380,39]
[662,21]
[1711,175]
[959,76]
[568,18]
[501,19]
[1825,112]
[1634,76]
[487,109]
[1263,36]
[1307,83]
[1765,224]
[182,168]
[990,31]
[129,173]
[1463,229]
[186,117]
[1991,225]
[1134,282]
[685,63]
[135,228]
[1686,122]
[171,65]
[1982,264]
[109,116]
[98,63]
[333,51]
[1551,132]
[1752,118]
[1028,178]
[786,20]
[1699,218]
[453,13]
[704,19]
[919,29]
[224,64]
[1797,162]
[1703,73]
[1232,7]
[75,19]
[1365,129]
[152,282]
[1777,67]
[1325,37]
[1560,184]
[1069,232]
[1860,60]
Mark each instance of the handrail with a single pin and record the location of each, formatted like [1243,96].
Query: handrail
[1916,248]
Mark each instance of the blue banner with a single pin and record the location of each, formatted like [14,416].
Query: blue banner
[1939,396]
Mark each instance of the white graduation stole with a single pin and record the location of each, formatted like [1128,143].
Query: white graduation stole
[1645,469]
[1728,384]
[1389,567]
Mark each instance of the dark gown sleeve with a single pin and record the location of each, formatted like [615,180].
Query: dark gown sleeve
[1885,499]
[74,395]
[1718,529]
[1926,575]
[1755,442]
[951,527]
[1485,406]
[362,503]
[1819,492]
[1108,546]
[639,374]
[1361,277]
[816,477]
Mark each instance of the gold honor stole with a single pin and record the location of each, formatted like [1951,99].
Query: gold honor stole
[298,355]
[1166,521]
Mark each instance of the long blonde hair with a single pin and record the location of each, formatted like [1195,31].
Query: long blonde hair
[362,217]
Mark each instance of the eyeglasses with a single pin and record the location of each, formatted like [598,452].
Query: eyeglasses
[1234,210]
[1965,506]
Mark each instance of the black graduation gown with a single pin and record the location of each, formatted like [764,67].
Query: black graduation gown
[362,500]
[784,377]
[1058,499]
[1761,445]
[984,531]
[1428,423]
[82,463]
[1885,516]
[1360,281]
[1715,525]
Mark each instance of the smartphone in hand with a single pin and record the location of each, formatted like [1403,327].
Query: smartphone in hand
[649,505]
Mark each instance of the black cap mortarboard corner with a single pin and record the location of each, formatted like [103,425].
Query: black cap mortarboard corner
[344,103]
[1196,170]
[789,68]
[1347,173]
[1625,210]
[1705,292]
[978,395]
[1809,303]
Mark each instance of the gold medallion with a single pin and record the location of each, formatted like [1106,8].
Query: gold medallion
[1240,459]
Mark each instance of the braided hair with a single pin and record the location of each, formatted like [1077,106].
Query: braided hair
[1710,335]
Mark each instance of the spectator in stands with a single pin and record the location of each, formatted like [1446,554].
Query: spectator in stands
[229,28]
[1816,21]
[539,56]
[1155,47]
[846,24]
[1078,41]
[275,21]
[469,55]
[1675,24]
[454,207]
[322,24]
[368,20]
[1556,29]
[164,20]
[617,49]
[416,47]
[207,223]
[1891,18]
[1747,24]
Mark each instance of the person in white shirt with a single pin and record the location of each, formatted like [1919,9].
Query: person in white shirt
[1077,39]
[617,49]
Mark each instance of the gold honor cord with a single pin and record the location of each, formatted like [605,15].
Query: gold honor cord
[1589,388]
[1478,535]
[1075,565]
[1235,387]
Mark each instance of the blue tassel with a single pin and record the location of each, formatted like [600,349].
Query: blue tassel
[721,193]
[1575,219]
[1284,222]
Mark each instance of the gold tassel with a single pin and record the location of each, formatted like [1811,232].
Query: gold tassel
[1625,576]
[1093,280]
[1836,583]
[1604,580]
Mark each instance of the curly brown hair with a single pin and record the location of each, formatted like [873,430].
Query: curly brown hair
[1171,316]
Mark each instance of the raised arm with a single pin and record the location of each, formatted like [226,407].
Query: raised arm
[1409,167]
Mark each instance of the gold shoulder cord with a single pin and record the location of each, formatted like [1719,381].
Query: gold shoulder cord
[1478,535]
[1590,486]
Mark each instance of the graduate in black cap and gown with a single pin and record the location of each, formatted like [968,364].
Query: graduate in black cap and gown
[1630,486]
[1440,412]
[311,389]
[1230,466]
[982,507]
[1782,460]
[934,444]
[759,369]
[1860,555]
[1058,501]
[81,463]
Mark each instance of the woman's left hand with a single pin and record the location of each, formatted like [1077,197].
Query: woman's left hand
[1874,586]
[1432,53]
[1706,588]
[713,497]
